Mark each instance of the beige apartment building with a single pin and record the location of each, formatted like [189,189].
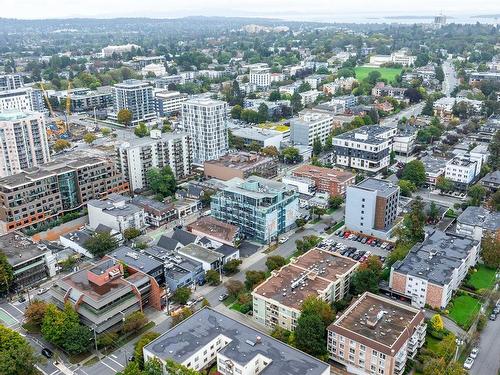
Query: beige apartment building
[319,273]
[242,165]
[376,335]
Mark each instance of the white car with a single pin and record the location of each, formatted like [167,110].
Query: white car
[474,352]
[42,290]
[468,363]
[283,239]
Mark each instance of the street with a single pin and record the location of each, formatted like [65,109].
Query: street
[488,359]
[413,110]
[450,78]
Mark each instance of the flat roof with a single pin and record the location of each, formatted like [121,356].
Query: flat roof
[366,134]
[213,227]
[309,274]
[240,160]
[378,322]
[323,172]
[382,187]
[135,259]
[198,252]
[194,333]
[480,216]
[436,258]
[256,133]
[433,164]
[19,248]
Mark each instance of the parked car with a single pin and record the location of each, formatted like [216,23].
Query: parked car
[223,296]
[468,363]
[493,316]
[341,233]
[47,353]
[283,239]
[364,240]
[22,299]
[474,352]
[42,291]
[496,310]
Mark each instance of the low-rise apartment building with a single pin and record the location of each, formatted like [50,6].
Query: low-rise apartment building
[366,148]
[116,212]
[381,89]
[236,348]
[42,193]
[277,302]
[309,97]
[208,226]
[262,209]
[261,77]
[327,180]
[435,167]
[262,137]
[102,295]
[242,165]
[376,335]
[31,262]
[156,214]
[463,171]
[434,268]
[371,207]
[477,222]
[404,140]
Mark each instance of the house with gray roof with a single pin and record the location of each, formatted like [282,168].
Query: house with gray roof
[209,337]
[434,268]
[491,181]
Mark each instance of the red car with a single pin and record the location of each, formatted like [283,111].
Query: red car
[347,234]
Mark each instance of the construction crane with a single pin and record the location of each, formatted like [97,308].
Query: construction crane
[61,125]
[68,106]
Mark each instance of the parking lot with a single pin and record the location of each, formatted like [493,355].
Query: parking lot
[374,250]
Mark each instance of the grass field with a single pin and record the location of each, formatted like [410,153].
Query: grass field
[464,309]
[388,73]
[484,278]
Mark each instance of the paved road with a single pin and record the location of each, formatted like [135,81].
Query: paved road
[413,110]
[450,78]
[488,359]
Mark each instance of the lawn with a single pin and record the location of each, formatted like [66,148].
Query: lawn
[464,310]
[484,278]
[388,73]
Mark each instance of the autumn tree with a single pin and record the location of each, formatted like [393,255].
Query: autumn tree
[124,116]
[436,323]
[134,321]
[490,252]
[234,287]
[35,312]
[61,144]
[89,138]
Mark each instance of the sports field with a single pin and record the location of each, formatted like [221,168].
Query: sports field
[387,73]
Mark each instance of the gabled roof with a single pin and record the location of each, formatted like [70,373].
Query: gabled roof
[183,237]
[168,243]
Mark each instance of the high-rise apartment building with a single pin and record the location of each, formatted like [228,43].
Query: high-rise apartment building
[261,77]
[23,99]
[137,156]
[205,120]
[137,97]
[40,194]
[23,141]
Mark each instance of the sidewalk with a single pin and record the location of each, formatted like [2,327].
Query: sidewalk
[245,319]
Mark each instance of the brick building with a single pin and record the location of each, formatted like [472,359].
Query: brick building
[327,180]
[242,165]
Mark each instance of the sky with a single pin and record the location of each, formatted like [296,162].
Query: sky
[316,10]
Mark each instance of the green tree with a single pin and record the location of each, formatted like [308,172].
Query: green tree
[131,233]
[61,144]
[181,295]
[177,369]
[6,273]
[446,347]
[434,366]
[310,334]
[317,146]
[231,267]
[316,306]
[414,171]
[161,181]
[476,194]
[490,250]
[274,262]
[444,184]
[274,96]
[212,277]
[16,354]
[290,155]
[407,187]
[494,149]
[236,111]
[263,112]
[141,130]
[89,138]
[433,212]
[319,211]
[335,201]
[253,278]
[139,345]
[296,102]
[271,151]
[185,313]
[100,244]
[134,321]
[105,131]
[77,339]
[124,116]
[414,222]
[107,340]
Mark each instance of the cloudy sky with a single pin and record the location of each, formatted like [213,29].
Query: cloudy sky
[288,9]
